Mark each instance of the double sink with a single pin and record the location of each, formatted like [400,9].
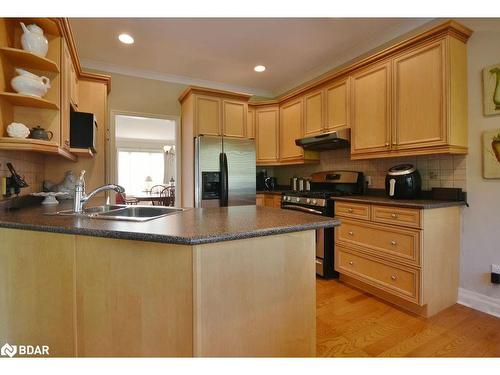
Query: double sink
[123,212]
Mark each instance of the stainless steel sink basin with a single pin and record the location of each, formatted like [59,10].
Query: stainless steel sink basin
[123,212]
[138,213]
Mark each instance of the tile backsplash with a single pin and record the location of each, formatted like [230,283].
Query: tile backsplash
[436,170]
[28,165]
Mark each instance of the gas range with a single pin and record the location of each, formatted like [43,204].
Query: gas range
[324,185]
[311,198]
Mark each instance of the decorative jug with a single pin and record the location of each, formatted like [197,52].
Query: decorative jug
[27,83]
[41,133]
[33,40]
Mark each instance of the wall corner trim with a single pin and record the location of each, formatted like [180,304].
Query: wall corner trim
[479,302]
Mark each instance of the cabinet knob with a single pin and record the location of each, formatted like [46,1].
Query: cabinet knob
[387,143]
[351,263]
[393,243]
[351,233]
[394,216]
[349,210]
[394,277]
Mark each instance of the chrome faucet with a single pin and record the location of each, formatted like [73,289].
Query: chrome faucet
[81,198]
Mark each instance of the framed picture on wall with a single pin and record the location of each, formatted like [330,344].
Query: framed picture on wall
[491,154]
[491,90]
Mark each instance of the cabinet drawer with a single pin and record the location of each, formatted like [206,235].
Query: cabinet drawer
[407,217]
[354,210]
[401,281]
[393,243]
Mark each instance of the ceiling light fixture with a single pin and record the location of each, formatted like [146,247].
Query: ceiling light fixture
[125,38]
[259,68]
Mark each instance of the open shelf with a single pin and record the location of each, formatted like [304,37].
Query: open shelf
[28,101]
[24,59]
[48,25]
[34,145]
[83,152]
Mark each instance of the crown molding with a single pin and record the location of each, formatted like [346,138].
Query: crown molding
[172,78]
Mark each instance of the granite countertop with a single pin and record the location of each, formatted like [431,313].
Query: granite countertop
[191,227]
[272,192]
[407,203]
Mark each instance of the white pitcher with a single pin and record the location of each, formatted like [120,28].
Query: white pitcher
[27,83]
[33,40]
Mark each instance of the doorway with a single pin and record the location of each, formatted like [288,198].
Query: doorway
[143,152]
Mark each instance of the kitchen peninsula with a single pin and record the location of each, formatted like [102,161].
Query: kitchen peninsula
[236,281]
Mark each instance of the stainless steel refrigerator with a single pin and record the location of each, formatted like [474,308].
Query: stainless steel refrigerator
[224,172]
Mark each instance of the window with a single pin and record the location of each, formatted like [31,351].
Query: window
[135,166]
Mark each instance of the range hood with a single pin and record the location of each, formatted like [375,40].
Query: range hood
[330,141]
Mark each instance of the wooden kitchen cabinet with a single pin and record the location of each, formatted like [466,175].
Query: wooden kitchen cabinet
[251,123]
[371,109]
[207,115]
[407,256]
[291,128]
[268,200]
[234,118]
[420,98]
[313,113]
[337,105]
[74,96]
[267,135]
[66,65]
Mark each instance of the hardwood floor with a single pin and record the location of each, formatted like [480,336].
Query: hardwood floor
[351,323]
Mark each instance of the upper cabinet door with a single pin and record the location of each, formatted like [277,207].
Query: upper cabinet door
[420,97]
[234,118]
[251,123]
[266,133]
[313,113]
[65,95]
[207,112]
[371,110]
[337,105]
[291,128]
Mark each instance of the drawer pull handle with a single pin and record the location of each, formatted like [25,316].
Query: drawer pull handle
[349,210]
[351,263]
[393,243]
[394,216]
[394,277]
[351,233]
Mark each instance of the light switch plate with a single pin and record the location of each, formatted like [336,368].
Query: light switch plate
[495,268]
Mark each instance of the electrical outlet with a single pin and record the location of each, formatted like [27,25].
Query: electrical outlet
[495,274]
[368,180]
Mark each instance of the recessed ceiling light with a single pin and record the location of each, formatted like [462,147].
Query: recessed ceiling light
[259,68]
[125,38]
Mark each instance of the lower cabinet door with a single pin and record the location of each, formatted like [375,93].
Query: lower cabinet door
[399,280]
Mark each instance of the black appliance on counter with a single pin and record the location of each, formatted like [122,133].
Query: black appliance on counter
[83,130]
[403,181]
[261,180]
[324,185]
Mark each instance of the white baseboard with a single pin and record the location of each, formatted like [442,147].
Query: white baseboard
[479,302]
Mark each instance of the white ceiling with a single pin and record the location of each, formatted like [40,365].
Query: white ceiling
[221,53]
[143,128]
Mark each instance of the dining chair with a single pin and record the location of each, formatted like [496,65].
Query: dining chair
[168,196]
[157,189]
[121,198]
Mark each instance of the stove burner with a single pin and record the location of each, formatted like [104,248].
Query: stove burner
[317,194]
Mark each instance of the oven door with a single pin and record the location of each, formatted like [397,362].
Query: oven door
[323,263]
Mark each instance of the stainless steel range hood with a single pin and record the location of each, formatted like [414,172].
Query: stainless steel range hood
[330,141]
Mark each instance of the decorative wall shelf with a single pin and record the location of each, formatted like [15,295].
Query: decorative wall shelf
[28,101]
[34,145]
[83,152]
[24,59]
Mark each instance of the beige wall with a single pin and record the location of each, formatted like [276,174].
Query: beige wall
[481,227]
[135,94]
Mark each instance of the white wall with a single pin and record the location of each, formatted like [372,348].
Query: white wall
[481,226]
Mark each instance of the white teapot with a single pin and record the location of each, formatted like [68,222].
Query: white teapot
[27,83]
[33,40]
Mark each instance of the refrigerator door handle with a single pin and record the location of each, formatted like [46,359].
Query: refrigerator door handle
[224,181]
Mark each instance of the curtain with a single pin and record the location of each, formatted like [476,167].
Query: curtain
[169,167]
